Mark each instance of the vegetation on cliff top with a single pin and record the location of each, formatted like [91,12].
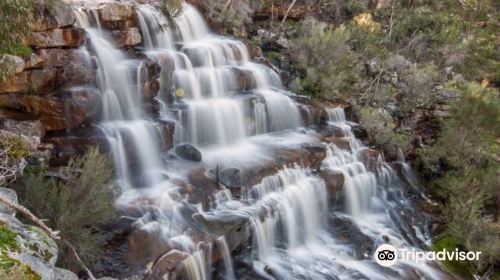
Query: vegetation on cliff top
[77,205]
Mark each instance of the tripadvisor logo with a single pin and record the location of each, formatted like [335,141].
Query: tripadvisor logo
[387,255]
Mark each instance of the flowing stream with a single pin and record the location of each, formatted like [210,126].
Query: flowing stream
[237,113]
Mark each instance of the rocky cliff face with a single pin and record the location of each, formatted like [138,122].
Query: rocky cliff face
[53,95]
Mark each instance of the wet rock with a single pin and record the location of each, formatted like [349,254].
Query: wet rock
[346,231]
[165,264]
[28,128]
[126,38]
[116,11]
[52,14]
[166,131]
[359,132]
[312,111]
[150,89]
[73,37]
[244,79]
[188,152]
[230,177]
[72,143]
[334,182]
[340,142]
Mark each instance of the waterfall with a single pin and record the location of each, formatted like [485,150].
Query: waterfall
[209,70]
[238,114]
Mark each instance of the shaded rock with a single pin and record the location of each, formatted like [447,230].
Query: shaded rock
[166,131]
[126,38]
[52,14]
[188,152]
[145,245]
[69,37]
[74,143]
[150,89]
[230,177]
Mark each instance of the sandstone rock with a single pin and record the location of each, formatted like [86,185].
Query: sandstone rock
[116,11]
[69,37]
[57,111]
[188,152]
[34,61]
[126,38]
[52,14]
[32,81]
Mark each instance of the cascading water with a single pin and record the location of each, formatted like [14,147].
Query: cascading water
[235,110]
[208,71]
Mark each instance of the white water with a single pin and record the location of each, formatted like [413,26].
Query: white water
[229,107]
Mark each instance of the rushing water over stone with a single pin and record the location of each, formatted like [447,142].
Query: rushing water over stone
[239,116]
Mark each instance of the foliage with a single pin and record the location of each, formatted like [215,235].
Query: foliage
[470,150]
[76,206]
[327,60]
[19,272]
[15,16]
[12,150]
[234,14]
[171,8]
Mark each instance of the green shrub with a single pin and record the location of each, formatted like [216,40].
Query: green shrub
[232,15]
[469,148]
[16,16]
[76,206]
[171,8]
[329,64]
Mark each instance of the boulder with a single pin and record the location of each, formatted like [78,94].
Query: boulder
[230,177]
[126,38]
[28,128]
[116,11]
[73,37]
[166,264]
[188,152]
[52,14]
